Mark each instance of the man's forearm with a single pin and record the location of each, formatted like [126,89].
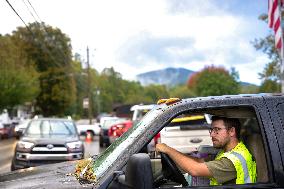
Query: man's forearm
[186,163]
[191,165]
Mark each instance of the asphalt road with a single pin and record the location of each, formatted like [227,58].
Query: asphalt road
[7,147]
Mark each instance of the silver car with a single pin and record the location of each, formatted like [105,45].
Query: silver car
[47,140]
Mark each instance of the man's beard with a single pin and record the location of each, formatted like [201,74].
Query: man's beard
[220,145]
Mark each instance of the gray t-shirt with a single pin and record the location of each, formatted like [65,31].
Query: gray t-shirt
[223,170]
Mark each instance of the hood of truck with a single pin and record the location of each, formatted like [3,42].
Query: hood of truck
[47,176]
[50,139]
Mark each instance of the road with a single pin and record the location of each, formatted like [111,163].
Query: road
[7,147]
[7,151]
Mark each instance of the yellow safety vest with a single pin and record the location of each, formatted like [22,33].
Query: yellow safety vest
[244,164]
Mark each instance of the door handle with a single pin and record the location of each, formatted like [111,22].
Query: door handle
[196,140]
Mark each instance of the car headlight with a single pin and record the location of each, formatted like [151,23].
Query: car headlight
[74,145]
[26,145]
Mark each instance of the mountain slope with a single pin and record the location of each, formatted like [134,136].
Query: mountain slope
[168,76]
[171,77]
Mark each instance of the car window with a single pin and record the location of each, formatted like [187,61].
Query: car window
[108,123]
[51,127]
[34,127]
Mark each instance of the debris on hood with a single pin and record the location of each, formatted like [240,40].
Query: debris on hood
[84,172]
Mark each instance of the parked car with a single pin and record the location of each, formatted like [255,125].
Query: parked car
[187,133]
[105,124]
[6,125]
[122,166]
[84,127]
[47,140]
[7,130]
[19,129]
[118,129]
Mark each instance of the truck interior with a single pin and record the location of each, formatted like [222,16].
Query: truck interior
[141,171]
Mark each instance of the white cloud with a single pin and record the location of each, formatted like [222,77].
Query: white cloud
[214,35]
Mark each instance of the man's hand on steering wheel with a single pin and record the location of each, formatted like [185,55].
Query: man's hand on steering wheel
[169,168]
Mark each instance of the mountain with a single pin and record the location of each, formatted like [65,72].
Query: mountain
[168,76]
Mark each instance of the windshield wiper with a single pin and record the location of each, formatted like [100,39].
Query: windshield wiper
[69,130]
[50,129]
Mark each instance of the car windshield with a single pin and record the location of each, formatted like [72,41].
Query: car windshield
[51,127]
[109,123]
[109,156]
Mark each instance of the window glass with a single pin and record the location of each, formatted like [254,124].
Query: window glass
[34,127]
[51,127]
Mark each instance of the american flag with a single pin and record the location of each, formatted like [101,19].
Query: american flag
[274,22]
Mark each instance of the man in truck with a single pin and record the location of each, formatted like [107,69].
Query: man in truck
[233,164]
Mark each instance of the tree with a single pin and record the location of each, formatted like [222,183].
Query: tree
[18,77]
[80,76]
[156,92]
[111,92]
[50,50]
[269,86]
[212,81]
[134,93]
[249,89]
[181,91]
[271,73]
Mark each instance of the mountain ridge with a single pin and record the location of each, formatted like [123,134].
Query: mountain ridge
[169,76]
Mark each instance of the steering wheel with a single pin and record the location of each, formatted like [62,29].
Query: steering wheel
[171,171]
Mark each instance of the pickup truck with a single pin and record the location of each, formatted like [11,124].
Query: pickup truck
[83,127]
[122,165]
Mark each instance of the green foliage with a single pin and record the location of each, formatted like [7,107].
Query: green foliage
[50,50]
[181,91]
[249,89]
[134,93]
[156,92]
[80,77]
[269,86]
[110,83]
[212,81]
[271,74]
[18,78]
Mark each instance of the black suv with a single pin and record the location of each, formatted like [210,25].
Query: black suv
[47,140]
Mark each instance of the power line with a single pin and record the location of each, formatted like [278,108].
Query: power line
[61,53]
[18,15]
[29,10]
[45,48]
[34,10]
[42,46]
[39,43]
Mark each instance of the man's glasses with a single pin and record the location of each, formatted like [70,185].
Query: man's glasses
[215,130]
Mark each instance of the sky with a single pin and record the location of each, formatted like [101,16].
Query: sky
[137,36]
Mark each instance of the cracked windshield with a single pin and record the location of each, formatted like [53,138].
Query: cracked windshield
[77,78]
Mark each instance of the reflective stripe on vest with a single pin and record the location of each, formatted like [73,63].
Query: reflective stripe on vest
[243,163]
[244,166]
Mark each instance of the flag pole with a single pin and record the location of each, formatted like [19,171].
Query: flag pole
[282,73]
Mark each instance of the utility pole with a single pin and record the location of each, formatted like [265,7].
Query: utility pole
[90,105]
[98,101]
